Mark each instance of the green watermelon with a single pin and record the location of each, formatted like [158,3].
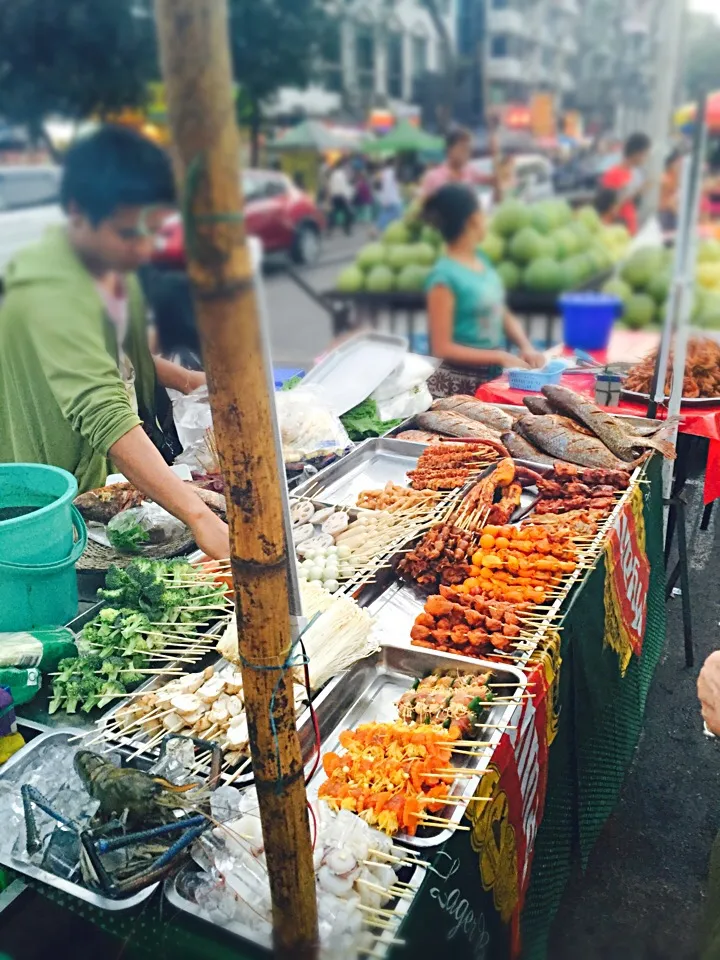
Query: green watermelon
[511,216]
[380,280]
[411,279]
[371,255]
[542,217]
[431,235]
[397,232]
[709,251]
[493,246]
[640,310]
[510,274]
[659,287]
[642,267]
[544,276]
[708,311]
[424,254]
[526,245]
[590,218]
[618,288]
[399,255]
[566,243]
[350,280]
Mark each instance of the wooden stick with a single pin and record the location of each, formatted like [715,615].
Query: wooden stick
[195,58]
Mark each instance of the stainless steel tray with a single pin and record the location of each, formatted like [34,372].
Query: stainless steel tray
[174,896]
[10,771]
[368,693]
[699,403]
[350,372]
[368,467]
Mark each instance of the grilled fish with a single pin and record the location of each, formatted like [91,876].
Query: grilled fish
[486,413]
[456,425]
[417,436]
[520,447]
[616,438]
[101,505]
[537,405]
[553,435]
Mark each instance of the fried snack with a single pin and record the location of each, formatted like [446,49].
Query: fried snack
[702,371]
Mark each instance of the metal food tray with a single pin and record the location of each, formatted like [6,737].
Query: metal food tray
[175,897]
[369,692]
[699,403]
[17,764]
[351,371]
[368,467]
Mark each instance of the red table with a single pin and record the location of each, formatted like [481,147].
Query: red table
[629,346]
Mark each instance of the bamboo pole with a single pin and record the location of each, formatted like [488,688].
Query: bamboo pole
[195,60]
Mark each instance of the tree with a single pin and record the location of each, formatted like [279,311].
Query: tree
[73,59]
[274,44]
[701,62]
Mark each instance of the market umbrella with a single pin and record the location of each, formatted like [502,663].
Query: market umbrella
[309,135]
[406,138]
[685,115]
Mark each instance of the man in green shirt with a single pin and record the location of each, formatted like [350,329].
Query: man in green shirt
[77,380]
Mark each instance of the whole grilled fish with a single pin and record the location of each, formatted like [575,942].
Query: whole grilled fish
[553,435]
[455,425]
[537,405]
[417,436]
[524,450]
[468,406]
[101,505]
[616,438]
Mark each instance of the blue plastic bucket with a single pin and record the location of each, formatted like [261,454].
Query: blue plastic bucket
[588,319]
[38,549]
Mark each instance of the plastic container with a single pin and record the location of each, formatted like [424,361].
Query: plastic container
[281,375]
[39,549]
[534,380]
[588,319]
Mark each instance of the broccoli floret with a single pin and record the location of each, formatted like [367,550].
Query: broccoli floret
[91,663]
[90,692]
[109,691]
[111,667]
[68,667]
[58,696]
[73,692]
[116,578]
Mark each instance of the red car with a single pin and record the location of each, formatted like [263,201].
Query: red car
[284,218]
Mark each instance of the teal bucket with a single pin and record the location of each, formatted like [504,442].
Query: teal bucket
[42,536]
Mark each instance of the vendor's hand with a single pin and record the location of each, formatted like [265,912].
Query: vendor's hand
[508,359]
[195,379]
[708,687]
[533,358]
[212,536]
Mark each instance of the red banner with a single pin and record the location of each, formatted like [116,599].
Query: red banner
[504,828]
[627,581]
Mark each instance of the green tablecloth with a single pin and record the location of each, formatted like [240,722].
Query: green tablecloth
[600,720]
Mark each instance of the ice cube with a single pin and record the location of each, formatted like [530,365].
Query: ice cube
[225,803]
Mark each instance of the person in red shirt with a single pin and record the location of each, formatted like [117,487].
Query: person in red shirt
[628,181]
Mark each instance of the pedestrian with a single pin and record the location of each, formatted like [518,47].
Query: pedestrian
[456,169]
[363,199]
[77,379]
[670,192]
[467,315]
[388,196]
[341,196]
[629,180]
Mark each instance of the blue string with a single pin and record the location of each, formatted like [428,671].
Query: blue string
[292,660]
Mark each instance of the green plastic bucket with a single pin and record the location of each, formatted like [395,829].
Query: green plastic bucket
[38,549]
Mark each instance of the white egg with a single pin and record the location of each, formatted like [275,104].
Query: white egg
[315,573]
[331,586]
[345,570]
[320,562]
[310,554]
[331,551]
[344,552]
[316,583]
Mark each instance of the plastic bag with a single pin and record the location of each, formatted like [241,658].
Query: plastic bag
[192,416]
[406,404]
[412,372]
[144,526]
[308,428]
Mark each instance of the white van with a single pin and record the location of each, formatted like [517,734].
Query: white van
[29,203]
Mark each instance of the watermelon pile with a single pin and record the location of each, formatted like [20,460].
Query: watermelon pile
[543,247]
[643,284]
[401,261]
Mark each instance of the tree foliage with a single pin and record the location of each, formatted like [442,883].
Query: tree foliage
[702,55]
[73,58]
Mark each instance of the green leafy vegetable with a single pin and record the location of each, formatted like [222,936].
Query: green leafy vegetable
[363,422]
[126,534]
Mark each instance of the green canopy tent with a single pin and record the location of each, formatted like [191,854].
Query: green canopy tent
[405,138]
[309,135]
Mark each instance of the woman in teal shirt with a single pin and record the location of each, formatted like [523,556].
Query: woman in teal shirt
[468,320]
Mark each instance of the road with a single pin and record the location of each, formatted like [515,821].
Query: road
[300,329]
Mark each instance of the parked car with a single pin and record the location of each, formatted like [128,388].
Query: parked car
[283,217]
[533,174]
[28,204]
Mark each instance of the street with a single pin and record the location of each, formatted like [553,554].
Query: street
[300,329]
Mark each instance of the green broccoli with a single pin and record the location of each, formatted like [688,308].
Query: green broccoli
[90,687]
[73,693]
[68,667]
[58,696]
[109,691]
[111,667]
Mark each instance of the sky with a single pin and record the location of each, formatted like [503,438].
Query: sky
[707,6]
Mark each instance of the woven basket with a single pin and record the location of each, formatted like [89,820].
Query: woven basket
[97,558]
